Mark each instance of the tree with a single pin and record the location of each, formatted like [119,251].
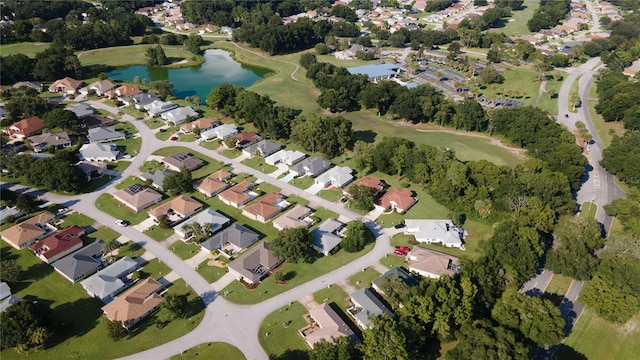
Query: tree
[115,330]
[155,56]
[608,301]
[56,174]
[65,119]
[174,305]
[361,197]
[164,222]
[56,62]
[17,67]
[355,236]
[177,183]
[397,40]
[110,245]
[489,75]
[536,318]
[25,319]
[454,47]
[163,88]
[384,341]
[307,59]
[292,244]
[24,106]
[26,203]
[197,232]
[10,271]
[322,49]
[622,157]
[340,349]
[576,240]
[193,43]
[483,340]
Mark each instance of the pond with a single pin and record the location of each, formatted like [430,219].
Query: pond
[218,68]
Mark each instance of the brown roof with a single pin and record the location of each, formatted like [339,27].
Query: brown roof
[293,218]
[330,326]
[202,123]
[264,207]
[183,159]
[260,257]
[68,83]
[137,196]
[237,194]
[27,229]
[25,127]
[95,120]
[246,137]
[182,204]
[431,261]
[211,184]
[125,90]
[372,183]
[402,198]
[136,302]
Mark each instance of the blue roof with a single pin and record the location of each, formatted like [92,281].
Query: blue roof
[411,85]
[376,70]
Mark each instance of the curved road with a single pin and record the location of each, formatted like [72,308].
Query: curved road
[223,321]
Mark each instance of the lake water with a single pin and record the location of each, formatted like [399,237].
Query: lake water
[218,68]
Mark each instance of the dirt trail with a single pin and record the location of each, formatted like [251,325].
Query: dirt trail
[265,57]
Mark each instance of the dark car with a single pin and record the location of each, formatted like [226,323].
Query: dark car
[399,226]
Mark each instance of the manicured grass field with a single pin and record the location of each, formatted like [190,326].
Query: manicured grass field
[76,218]
[588,210]
[131,250]
[28,48]
[106,203]
[155,269]
[184,250]
[81,332]
[597,338]
[605,130]
[103,233]
[231,153]
[132,55]
[267,188]
[363,279]
[332,195]
[523,80]
[215,350]
[154,123]
[392,260]
[210,273]
[550,104]
[119,165]
[517,23]
[302,182]
[279,332]
[258,163]
[157,233]
[129,146]
[333,294]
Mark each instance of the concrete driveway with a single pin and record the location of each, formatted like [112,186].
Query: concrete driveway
[144,225]
[314,189]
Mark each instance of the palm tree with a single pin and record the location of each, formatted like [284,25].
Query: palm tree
[109,246]
[39,335]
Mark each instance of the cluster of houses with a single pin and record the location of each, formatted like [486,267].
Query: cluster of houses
[453,9]
[64,250]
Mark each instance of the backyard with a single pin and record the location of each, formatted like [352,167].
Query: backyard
[279,332]
[363,279]
[215,350]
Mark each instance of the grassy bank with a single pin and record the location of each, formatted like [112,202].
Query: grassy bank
[135,55]
[28,48]
[517,23]
[216,350]
[605,130]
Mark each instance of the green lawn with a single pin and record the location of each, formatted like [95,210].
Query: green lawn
[132,55]
[119,165]
[597,338]
[131,250]
[129,146]
[127,127]
[157,233]
[106,203]
[522,80]
[517,23]
[332,195]
[392,261]
[210,273]
[298,200]
[184,250]
[154,123]
[333,294]
[137,114]
[588,210]
[188,137]
[267,188]
[605,130]
[302,182]
[211,145]
[215,350]
[81,332]
[231,153]
[298,273]
[550,104]
[152,165]
[76,218]
[279,332]
[210,166]
[129,181]
[363,279]
[103,233]
[258,163]
[155,269]
[28,48]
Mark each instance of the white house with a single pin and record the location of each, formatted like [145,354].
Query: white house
[286,157]
[207,216]
[338,176]
[99,152]
[179,116]
[158,107]
[220,132]
[436,231]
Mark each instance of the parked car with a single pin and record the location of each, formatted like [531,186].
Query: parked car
[399,226]
[122,223]
[401,250]
[174,138]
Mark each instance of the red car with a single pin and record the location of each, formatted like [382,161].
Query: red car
[174,138]
[401,250]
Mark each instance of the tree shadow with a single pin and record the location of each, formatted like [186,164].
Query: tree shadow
[566,352]
[368,136]
[75,319]
[291,355]
[289,275]
[37,271]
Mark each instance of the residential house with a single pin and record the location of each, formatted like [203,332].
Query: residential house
[395,198]
[262,148]
[5,290]
[99,152]
[376,185]
[95,120]
[140,100]
[124,91]
[287,157]
[633,69]
[391,275]
[155,177]
[179,160]
[67,85]
[12,212]
[254,265]
[12,299]
[105,134]
[111,280]
[238,194]
[59,244]
[436,231]
[366,305]
[135,304]
[24,128]
[29,231]
[216,220]
[327,326]
[92,170]
[432,264]
[219,132]
[179,115]
[213,184]
[137,197]
[245,139]
[231,240]
[177,209]
[338,176]
[265,208]
[202,124]
[81,263]
[327,236]
[99,87]
[81,110]
[158,107]
[296,217]
[30,84]
[42,142]
[312,166]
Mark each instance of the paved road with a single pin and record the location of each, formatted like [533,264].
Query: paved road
[223,321]
[538,284]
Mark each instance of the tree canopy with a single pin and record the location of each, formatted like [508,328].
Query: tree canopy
[292,244]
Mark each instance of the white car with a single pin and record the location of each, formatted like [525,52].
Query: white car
[121,223]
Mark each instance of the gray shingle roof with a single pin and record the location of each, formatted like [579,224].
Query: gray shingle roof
[370,305]
[107,133]
[82,262]
[156,177]
[236,235]
[108,281]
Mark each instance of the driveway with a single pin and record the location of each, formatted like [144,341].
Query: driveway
[314,189]
[144,225]
[287,178]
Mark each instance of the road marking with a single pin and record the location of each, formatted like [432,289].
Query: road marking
[596,179]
